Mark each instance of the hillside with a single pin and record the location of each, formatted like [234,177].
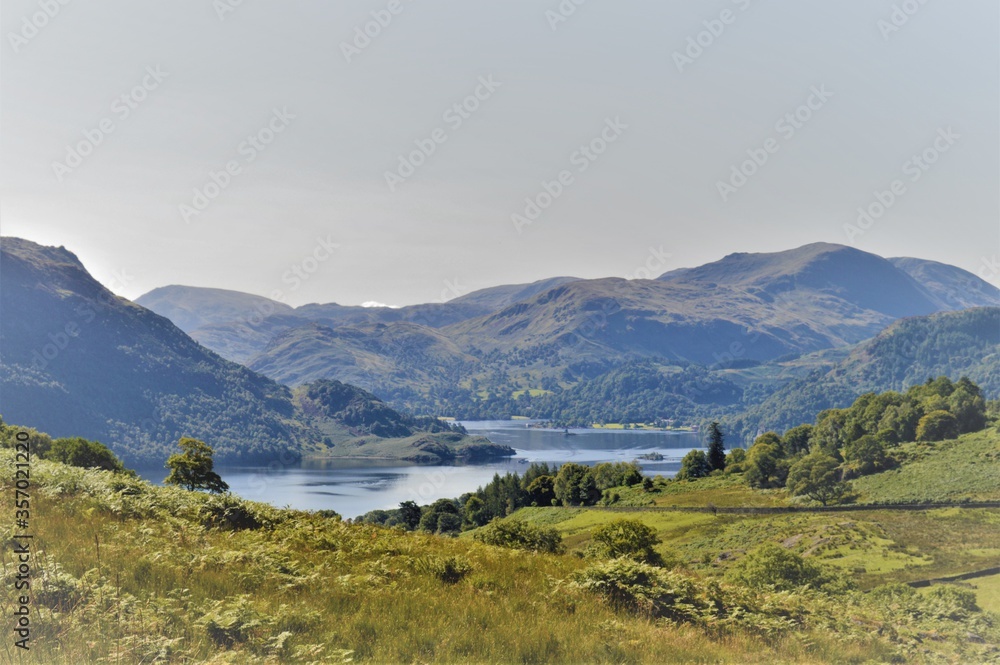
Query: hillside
[192,308]
[953,344]
[76,360]
[161,572]
[385,359]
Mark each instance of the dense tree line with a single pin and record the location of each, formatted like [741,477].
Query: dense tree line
[814,460]
[541,485]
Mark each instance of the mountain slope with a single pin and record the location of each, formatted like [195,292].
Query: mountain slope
[365,355]
[76,360]
[191,308]
[953,344]
[953,287]
[814,297]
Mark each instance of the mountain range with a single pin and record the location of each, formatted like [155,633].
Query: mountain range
[755,339]
[77,360]
[549,336]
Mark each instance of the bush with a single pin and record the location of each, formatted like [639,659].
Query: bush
[83,453]
[450,570]
[772,566]
[947,601]
[638,587]
[626,538]
[519,535]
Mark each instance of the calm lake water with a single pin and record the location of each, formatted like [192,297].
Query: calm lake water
[354,487]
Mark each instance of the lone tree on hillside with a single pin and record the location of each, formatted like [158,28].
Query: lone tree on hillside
[716,447]
[816,476]
[193,468]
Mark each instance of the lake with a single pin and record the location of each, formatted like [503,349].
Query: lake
[354,487]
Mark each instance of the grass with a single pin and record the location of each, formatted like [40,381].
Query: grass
[721,491]
[127,572]
[872,547]
[987,592]
[967,469]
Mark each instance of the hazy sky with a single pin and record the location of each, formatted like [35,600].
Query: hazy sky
[114,113]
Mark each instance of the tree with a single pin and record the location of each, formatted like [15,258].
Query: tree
[937,426]
[616,474]
[735,460]
[864,456]
[968,407]
[475,511]
[817,477]
[193,468]
[694,465]
[442,516]
[87,454]
[797,440]
[409,513]
[541,491]
[627,538]
[765,466]
[716,448]
[575,486]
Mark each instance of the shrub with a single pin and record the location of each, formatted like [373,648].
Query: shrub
[83,453]
[519,535]
[626,538]
[772,566]
[450,570]
[948,601]
[638,587]
[228,512]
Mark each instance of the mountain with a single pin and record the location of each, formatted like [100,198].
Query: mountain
[77,360]
[191,308]
[750,306]
[378,356]
[952,344]
[953,287]
[238,326]
[474,355]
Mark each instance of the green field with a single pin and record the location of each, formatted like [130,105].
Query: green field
[966,469]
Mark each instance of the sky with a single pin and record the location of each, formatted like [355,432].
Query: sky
[405,151]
